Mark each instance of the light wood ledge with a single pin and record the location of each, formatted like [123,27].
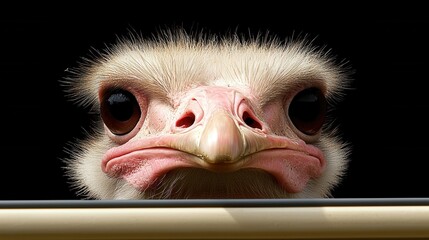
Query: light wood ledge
[216,222]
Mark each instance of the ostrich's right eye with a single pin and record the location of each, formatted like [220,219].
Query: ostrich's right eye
[120,111]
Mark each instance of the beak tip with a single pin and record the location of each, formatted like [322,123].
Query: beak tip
[219,159]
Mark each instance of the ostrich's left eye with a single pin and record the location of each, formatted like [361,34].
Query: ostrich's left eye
[307,110]
[120,111]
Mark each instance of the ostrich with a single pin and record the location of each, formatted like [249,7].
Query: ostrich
[194,115]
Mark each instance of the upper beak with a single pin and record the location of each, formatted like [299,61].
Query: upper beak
[218,133]
[221,140]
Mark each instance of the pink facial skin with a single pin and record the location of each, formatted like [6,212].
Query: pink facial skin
[219,132]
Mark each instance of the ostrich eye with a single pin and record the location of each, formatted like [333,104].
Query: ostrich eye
[307,110]
[119,111]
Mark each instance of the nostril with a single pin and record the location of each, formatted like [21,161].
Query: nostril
[186,120]
[250,121]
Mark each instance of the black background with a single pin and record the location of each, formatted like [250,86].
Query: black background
[383,116]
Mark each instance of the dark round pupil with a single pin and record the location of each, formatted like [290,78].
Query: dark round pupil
[307,110]
[120,111]
[120,105]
